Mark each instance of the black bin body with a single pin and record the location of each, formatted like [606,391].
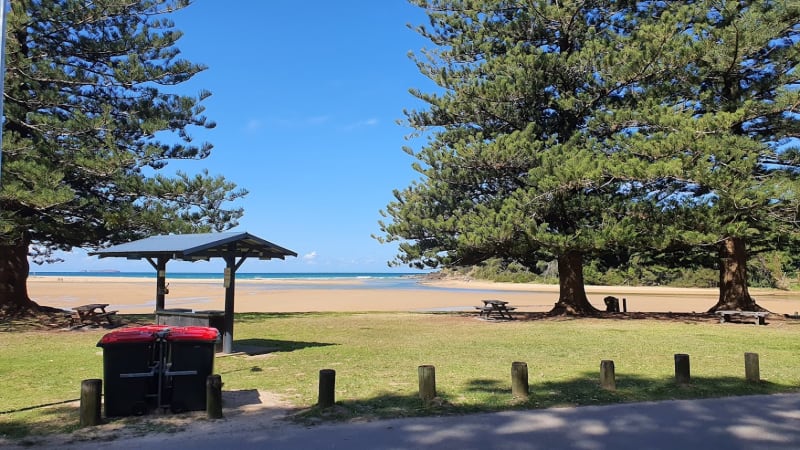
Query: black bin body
[216,319]
[190,360]
[130,370]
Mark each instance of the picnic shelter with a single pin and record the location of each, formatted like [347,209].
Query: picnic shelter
[233,247]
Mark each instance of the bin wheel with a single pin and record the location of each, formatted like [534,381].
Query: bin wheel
[139,408]
[177,407]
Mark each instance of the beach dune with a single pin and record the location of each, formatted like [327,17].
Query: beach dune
[137,295]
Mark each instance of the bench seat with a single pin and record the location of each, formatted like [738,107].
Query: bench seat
[759,316]
[108,315]
[483,310]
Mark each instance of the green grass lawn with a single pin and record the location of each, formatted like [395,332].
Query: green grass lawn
[376,356]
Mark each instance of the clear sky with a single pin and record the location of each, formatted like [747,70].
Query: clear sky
[306,97]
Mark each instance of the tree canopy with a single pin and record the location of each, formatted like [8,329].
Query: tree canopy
[732,121]
[91,123]
[573,129]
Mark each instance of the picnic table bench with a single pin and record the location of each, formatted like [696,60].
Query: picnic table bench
[91,313]
[497,308]
[759,316]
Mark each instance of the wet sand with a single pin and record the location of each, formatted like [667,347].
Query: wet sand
[136,295]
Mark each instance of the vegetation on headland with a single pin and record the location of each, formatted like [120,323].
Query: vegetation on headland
[376,355]
[775,270]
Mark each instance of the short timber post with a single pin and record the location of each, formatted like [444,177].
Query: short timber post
[751,370]
[519,380]
[624,304]
[427,383]
[214,396]
[327,388]
[608,379]
[682,373]
[90,402]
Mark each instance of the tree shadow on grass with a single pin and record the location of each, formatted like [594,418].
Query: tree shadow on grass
[582,390]
[659,316]
[676,317]
[274,345]
[51,419]
[383,406]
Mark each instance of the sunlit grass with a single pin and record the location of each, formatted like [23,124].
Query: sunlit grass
[376,356]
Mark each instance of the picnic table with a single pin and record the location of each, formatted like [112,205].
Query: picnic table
[497,308]
[92,313]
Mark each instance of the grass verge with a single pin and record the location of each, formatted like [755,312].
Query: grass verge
[376,356]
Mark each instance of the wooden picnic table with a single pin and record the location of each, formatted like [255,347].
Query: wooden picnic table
[92,313]
[497,308]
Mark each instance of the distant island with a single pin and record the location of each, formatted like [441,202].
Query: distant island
[101,271]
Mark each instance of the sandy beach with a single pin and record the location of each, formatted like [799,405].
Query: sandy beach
[136,295]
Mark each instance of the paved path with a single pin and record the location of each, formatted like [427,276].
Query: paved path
[754,422]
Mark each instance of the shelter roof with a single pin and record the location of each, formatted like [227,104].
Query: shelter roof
[193,247]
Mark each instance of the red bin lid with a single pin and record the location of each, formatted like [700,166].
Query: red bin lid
[193,334]
[132,335]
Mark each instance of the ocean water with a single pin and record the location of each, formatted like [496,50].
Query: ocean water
[356,280]
[366,280]
[239,275]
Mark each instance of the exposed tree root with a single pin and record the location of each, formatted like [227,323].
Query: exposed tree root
[567,309]
[747,304]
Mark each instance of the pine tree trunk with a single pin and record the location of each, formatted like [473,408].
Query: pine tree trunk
[14,268]
[572,298]
[733,293]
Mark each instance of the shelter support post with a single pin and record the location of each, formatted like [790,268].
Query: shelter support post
[230,288]
[161,280]
[158,250]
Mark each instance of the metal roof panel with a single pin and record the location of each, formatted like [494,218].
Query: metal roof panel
[189,246]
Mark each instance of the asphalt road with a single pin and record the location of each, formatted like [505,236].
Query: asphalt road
[752,423]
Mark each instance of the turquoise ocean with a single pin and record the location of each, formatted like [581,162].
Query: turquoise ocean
[354,280]
[348,280]
[239,275]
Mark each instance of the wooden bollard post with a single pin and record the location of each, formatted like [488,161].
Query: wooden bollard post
[327,388]
[682,373]
[214,396]
[519,379]
[751,370]
[607,377]
[624,304]
[90,402]
[427,383]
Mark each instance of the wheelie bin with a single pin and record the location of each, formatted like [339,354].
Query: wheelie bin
[131,366]
[189,361]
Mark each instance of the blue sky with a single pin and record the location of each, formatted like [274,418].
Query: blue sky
[306,97]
